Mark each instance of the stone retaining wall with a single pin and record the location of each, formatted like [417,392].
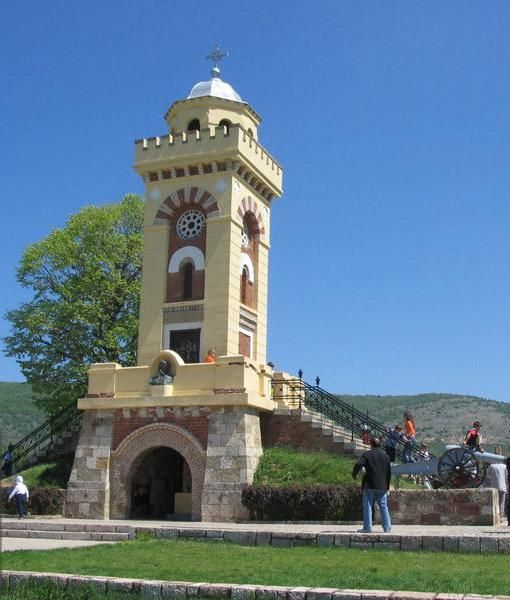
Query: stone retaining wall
[159,590]
[445,507]
[494,542]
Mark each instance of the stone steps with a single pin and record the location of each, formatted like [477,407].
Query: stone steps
[338,434]
[28,528]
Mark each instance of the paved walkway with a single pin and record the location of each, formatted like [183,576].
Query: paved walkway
[404,537]
[11,544]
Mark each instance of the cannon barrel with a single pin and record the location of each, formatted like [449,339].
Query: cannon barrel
[426,467]
[486,457]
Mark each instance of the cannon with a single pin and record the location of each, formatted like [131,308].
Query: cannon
[457,467]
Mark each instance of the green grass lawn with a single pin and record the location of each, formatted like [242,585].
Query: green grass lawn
[285,466]
[213,562]
[52,474]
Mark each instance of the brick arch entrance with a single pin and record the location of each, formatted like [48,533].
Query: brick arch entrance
[126,460]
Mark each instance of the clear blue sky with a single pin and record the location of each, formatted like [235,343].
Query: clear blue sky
[390,248]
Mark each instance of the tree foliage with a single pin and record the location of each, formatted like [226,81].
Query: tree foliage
[85,283]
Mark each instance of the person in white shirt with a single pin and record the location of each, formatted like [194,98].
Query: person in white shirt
[495,477]
[20,493]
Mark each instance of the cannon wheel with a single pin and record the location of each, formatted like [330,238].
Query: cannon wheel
[459,468]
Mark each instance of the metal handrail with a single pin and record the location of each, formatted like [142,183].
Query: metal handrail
[42,436]
[296,393]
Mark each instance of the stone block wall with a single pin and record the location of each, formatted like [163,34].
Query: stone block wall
[88,490]
[233,452]
[444,507]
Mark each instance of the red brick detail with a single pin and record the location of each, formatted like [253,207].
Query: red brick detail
[190,197]
[244,344]
[194,422]
[126,460]
[174,291]
[192,194]
[247,293]
[248,209]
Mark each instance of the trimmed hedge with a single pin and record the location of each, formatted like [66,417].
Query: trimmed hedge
[42,501]
[303,503]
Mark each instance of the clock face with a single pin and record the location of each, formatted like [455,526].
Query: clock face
[190,224]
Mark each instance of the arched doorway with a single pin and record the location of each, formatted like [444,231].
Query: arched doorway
[161,486]
[146,450]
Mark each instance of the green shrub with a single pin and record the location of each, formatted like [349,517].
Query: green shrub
[42,501]
[302,503]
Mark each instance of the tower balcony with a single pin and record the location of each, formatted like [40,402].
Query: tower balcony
[231,381]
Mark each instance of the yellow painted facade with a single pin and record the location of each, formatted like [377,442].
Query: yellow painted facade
[234,175]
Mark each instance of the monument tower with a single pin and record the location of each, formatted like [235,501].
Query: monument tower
[174,435]
[209,186]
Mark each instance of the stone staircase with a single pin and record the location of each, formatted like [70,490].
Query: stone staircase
[62,530]
[331,431]
[337,433]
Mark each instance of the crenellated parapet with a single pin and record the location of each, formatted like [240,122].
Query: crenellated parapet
[172,156]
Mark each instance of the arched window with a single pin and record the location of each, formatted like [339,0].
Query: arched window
[245,276]
[225,123]
[187,280]
[194,125]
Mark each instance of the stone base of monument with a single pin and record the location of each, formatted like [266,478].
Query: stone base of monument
[149,449]
[478,506]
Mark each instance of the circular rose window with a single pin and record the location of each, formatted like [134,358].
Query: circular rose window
[190,224]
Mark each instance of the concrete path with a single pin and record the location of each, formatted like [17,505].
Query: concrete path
[35,533]
[11,544]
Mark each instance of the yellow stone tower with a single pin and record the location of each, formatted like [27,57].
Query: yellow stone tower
[188,432]
[209,186]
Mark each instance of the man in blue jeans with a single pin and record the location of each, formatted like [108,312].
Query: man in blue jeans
[375,484]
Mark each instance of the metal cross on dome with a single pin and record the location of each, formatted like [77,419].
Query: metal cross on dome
[216,55]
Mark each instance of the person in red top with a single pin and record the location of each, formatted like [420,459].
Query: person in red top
[211,356]
[365,434]
[410,435]
[473,438]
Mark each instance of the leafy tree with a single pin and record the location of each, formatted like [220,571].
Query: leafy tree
[85,280]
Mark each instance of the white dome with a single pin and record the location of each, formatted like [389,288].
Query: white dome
[214,87]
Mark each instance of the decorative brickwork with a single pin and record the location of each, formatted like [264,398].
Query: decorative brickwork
[126,459]
[190,196]
[248,207]
[193,420]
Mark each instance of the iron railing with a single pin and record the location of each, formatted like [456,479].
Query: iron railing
[297,394]
[43,436]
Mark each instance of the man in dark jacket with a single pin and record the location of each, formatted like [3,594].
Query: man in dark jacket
[375,484]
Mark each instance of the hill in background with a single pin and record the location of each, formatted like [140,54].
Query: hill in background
[440,418]
[18,414]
